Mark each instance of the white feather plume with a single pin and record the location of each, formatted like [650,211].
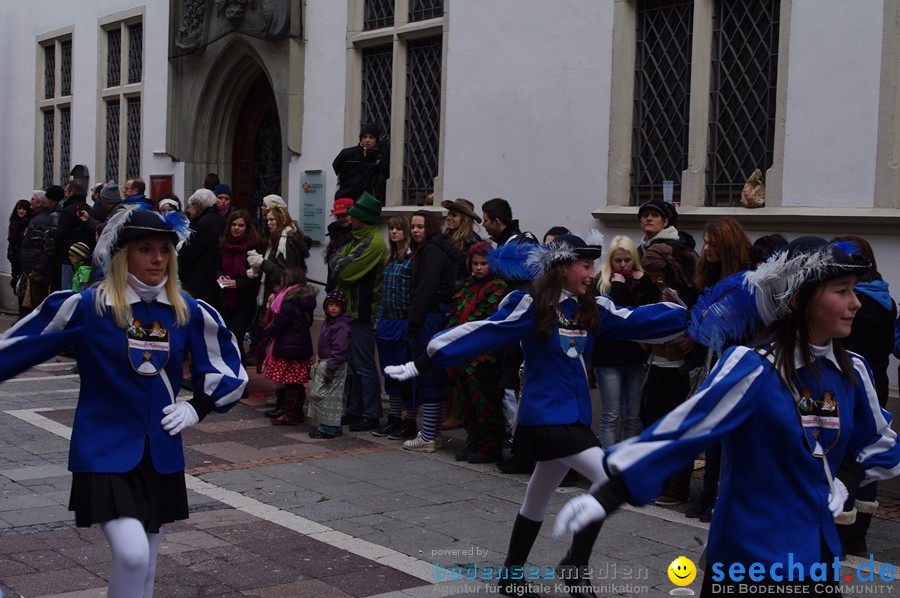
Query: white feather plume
[595,238]
[779,278]
[106,244]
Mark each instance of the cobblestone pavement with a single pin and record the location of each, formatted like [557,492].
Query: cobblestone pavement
[277,514]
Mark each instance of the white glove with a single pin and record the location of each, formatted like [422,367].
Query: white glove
[837,497]
[401,372]
[252,273]
[254,258]
[578,513]
[178,417]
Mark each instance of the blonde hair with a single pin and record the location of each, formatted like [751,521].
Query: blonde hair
[604,282]
[115,283]
[463,232]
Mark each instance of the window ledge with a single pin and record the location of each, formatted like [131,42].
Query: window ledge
[822,220]
[388,211]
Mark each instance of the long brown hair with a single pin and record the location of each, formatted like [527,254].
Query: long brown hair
[733,248]
[255,239]
[284,221]
[545,292]
[432,226]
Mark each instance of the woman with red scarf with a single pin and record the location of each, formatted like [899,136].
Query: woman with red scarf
[238,290]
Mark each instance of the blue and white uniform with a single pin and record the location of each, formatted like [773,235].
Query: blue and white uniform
[774,494]
[128,376]
[555,386]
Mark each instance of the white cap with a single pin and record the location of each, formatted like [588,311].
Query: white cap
[270,201]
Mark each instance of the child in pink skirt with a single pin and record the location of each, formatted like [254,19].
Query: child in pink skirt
[289,355]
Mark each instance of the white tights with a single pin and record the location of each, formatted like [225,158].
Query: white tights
[134,554]
[548,475]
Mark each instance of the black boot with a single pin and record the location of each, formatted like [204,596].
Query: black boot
[574,566]
[278,409]
[524,533]
[704,501]
[853,536]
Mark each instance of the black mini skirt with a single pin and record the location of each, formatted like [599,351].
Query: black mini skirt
[143,493]
[545,443]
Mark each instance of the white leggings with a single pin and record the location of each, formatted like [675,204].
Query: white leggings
[548,475]
[134,554]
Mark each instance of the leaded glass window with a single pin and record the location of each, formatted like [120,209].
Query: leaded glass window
[267,163]
[423,118]
[662,84]
[112,139]
[113,58]
[49,71]
[377,76]
[123,99]
[422,10]
[48,148]
[65,142]
[65,69]
[133,139]
[742,96]
[54,109]
[135,53]
[378,14]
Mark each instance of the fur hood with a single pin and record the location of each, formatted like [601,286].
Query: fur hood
[302,290]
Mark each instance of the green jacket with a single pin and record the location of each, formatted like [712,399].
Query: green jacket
[81,276]
[358,269]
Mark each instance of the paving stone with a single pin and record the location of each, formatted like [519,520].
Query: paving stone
[51,581]
[307,587]
[27,500]
[49,514]
[38,472]
[373,581]
[188,541]
[21,543]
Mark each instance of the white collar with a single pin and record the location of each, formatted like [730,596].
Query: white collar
[132,296]
[567,295]
[826,351]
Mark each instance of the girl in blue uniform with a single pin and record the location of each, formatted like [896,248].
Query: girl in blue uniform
[797,416]
[556,324]
[130,335]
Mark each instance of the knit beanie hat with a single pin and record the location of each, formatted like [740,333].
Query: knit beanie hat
[110,193]
[366,208]
[80,249]
[55,193]
[371,129]
[337,297]
[222,189]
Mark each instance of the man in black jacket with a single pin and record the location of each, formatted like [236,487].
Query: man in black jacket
[199,259]
[71,229]
[363,167]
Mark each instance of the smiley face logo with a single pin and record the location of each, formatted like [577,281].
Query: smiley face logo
[682,571]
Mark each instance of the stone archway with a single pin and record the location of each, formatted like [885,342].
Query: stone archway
[228,117]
